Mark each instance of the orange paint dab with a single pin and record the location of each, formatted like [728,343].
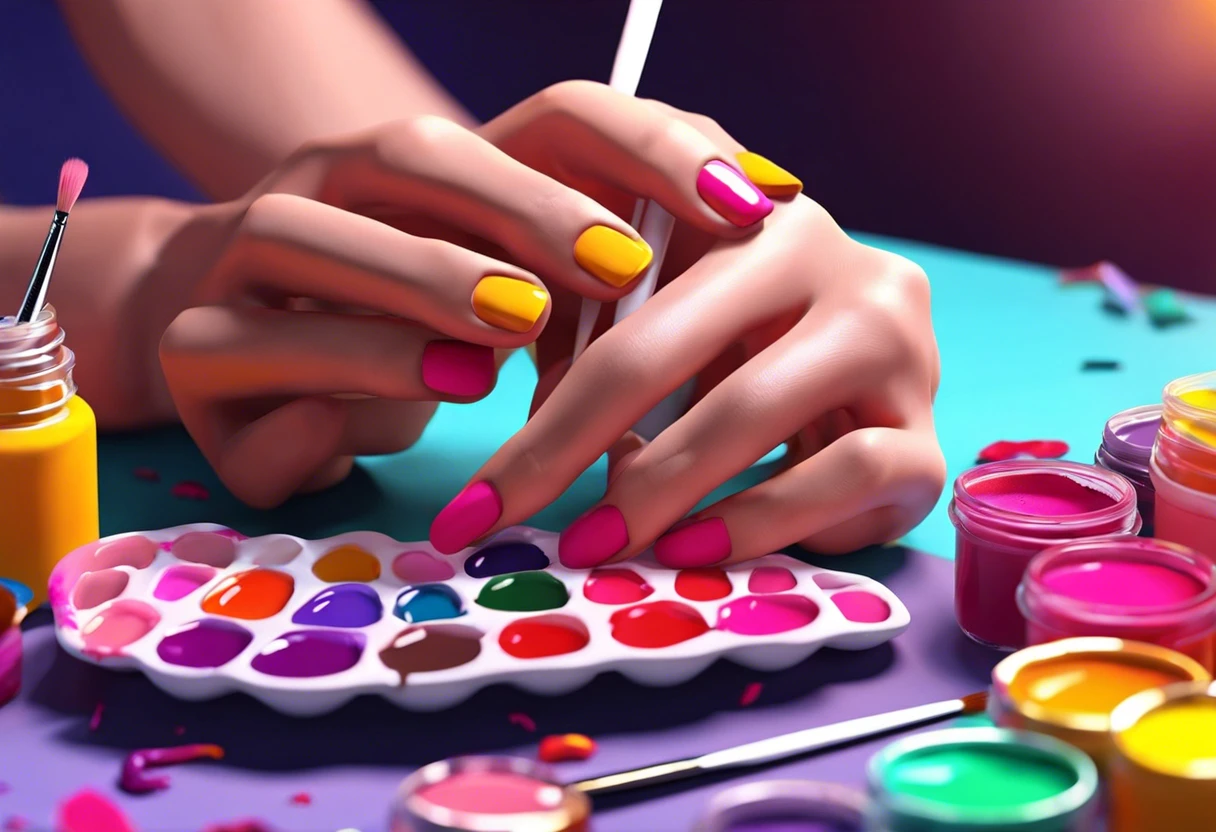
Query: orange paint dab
[564,748]
[252,595]
[347,563]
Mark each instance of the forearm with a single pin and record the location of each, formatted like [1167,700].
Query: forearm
[226,90]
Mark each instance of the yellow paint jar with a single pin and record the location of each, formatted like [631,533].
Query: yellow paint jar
[1163,773]
[48,453]
[1069,688]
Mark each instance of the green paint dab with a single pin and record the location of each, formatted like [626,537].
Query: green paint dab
[524,592]
[976,776]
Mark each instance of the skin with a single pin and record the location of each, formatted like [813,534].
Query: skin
[284,326]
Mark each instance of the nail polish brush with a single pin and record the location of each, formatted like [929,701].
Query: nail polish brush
[71,182]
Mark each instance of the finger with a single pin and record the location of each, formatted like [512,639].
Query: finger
[583,130]
[290,247]
[773,180]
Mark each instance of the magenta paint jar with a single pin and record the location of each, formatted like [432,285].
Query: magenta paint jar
[1127,449]
[1005,513]
[1132,588]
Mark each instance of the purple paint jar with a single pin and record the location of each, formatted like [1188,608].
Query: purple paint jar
[1127,449]
[785,806]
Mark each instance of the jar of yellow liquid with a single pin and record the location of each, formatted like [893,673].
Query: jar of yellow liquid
[1183,466]
[48,453]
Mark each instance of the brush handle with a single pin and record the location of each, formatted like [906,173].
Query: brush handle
[35,295]
[649,776]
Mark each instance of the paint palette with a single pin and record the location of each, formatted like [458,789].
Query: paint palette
[305,625]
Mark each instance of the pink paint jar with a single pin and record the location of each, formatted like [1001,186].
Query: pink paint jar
[1132,588]
[1183,466]
[1127,449]
[11,614]
[1005,513]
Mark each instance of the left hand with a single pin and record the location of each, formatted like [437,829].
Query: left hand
[796,333]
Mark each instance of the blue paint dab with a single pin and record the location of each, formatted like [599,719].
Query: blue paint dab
[428,602]
[502,558]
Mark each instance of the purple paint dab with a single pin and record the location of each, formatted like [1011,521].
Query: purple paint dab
[343,605]
[502,558]
[209,642]
[305,654]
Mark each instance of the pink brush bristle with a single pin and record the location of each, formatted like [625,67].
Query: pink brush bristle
[71,182]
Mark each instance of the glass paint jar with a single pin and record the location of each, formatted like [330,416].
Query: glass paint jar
[785,804]
[1183,465]
[1005,513]
[48,453]
[1127,449]
[1056,789]
[1134,588]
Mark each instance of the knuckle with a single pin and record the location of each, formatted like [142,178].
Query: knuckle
[666,135]
[568,97]
[408,145]
[264,216]
[868,457]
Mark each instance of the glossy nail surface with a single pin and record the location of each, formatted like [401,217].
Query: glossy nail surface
[456,368]
[694,543]
[610,255]
[730,194]
[769,177]
[470,515]
[593,538]
[507,303]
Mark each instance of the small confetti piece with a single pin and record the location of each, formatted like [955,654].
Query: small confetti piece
[95,721]
[1121,289]
[16,823]
[1164,308]
[565,748]
[188,490]
[523,721]
[178,730]
[1074,277]
[1038,448]
[750,694]
[247,825]
[146,474]
[1100,364]
[134,777]
[88,811]
[301,799]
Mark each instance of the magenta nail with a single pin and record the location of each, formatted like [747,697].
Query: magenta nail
[732,195]
[694,543]
[593,538]
[455,368]
[471,514]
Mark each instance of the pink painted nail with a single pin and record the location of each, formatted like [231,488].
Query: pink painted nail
[470,515]
[730,194]
[454,368]
[694,543]
[593,538]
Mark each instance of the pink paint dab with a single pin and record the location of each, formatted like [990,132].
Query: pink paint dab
[301,799]
[190,490]
[88,811]
[246,825]
[523,721]
[862,607]
[750,694]
[16,823]
[95,721]
[146,474]
[767,579]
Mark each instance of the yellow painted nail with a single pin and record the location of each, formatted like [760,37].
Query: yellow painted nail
[610,255]
[771,179]
[509,303]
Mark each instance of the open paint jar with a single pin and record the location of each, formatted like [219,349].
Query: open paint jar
[1127,449]
[12,611]
[1069,688]
[1128,587]
[488,794]
[1005,513]
[785,806]
[1163,775]
[982,779]
[1183,465]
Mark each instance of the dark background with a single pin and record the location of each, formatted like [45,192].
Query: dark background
[1060,131]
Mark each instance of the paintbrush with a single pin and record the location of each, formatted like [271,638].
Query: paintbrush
[71,182]
[786,746]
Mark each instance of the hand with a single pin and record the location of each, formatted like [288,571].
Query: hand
[794,334]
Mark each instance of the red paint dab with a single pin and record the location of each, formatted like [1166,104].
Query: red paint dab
[523,721]
[657,624]
[705,584]
[564,748]
[301,799]
[189,490]
[544,635]
[1038,448]
[750,694]
[146,474]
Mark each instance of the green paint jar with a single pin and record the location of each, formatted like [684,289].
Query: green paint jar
[980,780]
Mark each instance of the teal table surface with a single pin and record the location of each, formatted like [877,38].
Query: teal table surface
[1012,342]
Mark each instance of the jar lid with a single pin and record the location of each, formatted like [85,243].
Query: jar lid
[795,802]
[1129,435]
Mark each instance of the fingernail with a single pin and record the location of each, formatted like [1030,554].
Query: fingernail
[694,543]
[593,538]
[470,515]
[770,178]
[731,195]
[610,255]
[507,303]
[456,368]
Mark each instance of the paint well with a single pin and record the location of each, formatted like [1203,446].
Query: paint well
[704,584]
[862,607]
[985,776]
[1040,495]
[791,823]
[277,551]
[1124,583]
[764,615]
[135,551]
[208,548]
[657,624]
[309,653]
[524,592]
[117,626]
[833,580]
[428,602]
[252,595]
[422,568]
[492,793]
[177,582]
[1177,737]
[616,586]
[544,635]
[94,589]
[210,642]
[1089,684]
[502,558]
[344,605]
[429,648]
[347,563]
[767,579]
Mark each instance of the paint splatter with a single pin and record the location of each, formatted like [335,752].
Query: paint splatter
[17,823]
[134,777]
[246,825]
[95,720]
[564,748]
[750,694]
[1038,448]
[146,474]
[88,811]
[189,490]
[301,799]
[5,788]
[523,721]
[1095,364]
[1164,309]
[1073,277]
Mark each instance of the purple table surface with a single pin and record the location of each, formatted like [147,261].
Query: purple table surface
[350,762]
